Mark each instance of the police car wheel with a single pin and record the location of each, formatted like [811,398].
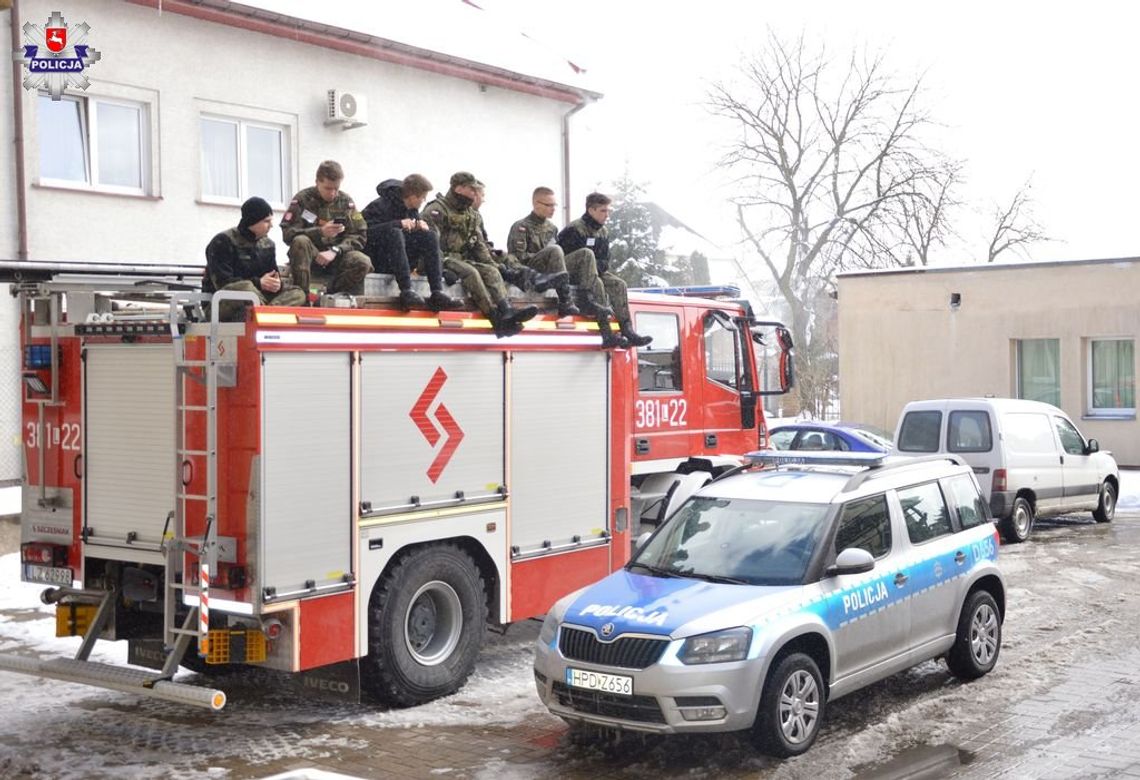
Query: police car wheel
[427,619]
[791,707]
[1017,527]
[978,642]
[1106,509]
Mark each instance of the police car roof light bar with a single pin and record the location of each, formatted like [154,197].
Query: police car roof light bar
[802,458]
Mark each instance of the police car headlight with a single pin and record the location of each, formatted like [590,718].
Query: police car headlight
[718,647]
[549,629]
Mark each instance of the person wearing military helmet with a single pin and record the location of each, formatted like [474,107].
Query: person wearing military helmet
[244,259]
[466,254]
[326,235]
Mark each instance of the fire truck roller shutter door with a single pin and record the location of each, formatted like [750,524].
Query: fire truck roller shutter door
[306,469]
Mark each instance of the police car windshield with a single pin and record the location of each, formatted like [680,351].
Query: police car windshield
[737,540]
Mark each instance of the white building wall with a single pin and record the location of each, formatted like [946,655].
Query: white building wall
[418,122]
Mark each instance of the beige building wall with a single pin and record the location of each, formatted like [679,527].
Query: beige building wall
[900,339]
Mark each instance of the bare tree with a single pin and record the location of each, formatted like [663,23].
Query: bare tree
[1015,227]
[926,221]
[829,159]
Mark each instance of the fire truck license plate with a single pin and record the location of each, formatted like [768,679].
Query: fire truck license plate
[597,681]
[49,574]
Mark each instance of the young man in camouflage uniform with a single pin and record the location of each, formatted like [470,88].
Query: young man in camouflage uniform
[589,233]
[547,275]
[467,256]
[326,234]
[245,259]
[530,244]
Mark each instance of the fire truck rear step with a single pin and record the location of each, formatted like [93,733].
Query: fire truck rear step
[117,678]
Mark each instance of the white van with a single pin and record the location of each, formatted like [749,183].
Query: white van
[1028,456]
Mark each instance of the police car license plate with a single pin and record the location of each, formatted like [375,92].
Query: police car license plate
[51,575]
[598,681]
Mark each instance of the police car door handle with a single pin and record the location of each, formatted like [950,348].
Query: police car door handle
[959,557]
[900,579]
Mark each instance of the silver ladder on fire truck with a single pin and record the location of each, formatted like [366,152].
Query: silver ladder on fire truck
[160,293]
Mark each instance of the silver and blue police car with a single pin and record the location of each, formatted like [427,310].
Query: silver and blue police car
[773,591]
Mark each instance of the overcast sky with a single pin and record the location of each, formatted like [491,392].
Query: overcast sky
[1042,90]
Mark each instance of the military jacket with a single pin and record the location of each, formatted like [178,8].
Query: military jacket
[530,235]
[459,226]
[308,211]
[588,233]
[234,256]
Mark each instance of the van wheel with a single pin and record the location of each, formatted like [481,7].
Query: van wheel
[978,642]
[1019,524]
[791,707]
[1106,510]
[426,622]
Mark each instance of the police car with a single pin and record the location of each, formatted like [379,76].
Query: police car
[775,590]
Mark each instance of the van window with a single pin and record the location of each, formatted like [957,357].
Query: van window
[925,512]
[969,431]
[919,432]
[1027,432]
[1071,438]
[962,492]
[865,524]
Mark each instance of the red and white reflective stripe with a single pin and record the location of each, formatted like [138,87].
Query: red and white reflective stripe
[204,610]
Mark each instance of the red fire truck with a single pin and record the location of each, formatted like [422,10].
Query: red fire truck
[348,494]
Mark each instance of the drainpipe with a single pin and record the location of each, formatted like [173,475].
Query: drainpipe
[18,138]
[566,160]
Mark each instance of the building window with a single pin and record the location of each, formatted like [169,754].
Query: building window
[241,159]
[1112,377]
[1039,370]
[659,364]
[94,142]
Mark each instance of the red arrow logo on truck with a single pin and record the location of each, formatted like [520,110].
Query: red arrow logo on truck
[452,433]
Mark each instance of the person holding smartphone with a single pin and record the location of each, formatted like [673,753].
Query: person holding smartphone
[326,236]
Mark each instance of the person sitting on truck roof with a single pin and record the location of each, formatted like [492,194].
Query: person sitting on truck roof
[589,232]
[397,236]
[531,248]
[244,258]
[326,234]
[467,256]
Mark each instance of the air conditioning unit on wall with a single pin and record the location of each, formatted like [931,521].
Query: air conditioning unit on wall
[345,109]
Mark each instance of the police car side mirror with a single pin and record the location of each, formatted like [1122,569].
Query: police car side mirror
[853,560]
[641,540]
[1093,446]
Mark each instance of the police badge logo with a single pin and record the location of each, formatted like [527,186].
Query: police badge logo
[66,58]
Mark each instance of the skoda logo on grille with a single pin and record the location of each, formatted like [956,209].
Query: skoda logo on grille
[608,630]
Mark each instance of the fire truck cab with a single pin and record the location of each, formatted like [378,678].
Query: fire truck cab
[347,494]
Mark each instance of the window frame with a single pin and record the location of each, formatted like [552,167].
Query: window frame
[89,129]
[1018,372]
[242,124]
[646,324]
[949,527]
[1128,412]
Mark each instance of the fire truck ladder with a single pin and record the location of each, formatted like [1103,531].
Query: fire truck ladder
[215,371]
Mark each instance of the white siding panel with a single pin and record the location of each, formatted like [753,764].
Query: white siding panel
[559,447]
[128,446]
[307,469]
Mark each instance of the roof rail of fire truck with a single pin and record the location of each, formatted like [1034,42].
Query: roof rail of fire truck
[714,291]
[42,271]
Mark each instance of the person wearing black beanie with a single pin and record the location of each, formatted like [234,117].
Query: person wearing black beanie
[244,258]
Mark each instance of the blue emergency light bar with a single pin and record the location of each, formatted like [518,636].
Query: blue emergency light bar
[694,290]
[802,458]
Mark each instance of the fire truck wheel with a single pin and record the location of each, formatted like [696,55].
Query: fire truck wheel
[427,618]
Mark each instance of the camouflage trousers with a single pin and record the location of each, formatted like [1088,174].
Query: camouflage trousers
[548,260]
[618,293]
[345,274]
[583,268]
[482,282]
[234,311]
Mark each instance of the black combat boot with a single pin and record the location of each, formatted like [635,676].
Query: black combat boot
[631,336]
[517,276]
[410,299]
[441,301]
[566,307]
[610,340]
[543,282]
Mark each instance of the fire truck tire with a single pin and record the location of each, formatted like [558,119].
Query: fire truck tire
[427,619]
